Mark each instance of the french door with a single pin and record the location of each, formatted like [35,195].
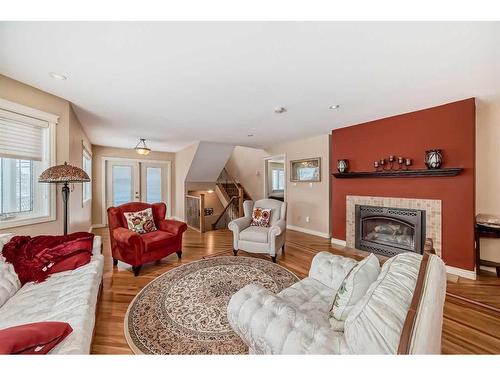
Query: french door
[136,181]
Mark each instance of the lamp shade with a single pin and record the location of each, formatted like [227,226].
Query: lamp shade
[64,173]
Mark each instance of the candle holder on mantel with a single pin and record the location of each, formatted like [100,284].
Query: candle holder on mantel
[394,164]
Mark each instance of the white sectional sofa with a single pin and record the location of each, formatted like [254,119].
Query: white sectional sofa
[390,318]
[69,296]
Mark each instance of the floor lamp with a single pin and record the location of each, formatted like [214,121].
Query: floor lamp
[64,174]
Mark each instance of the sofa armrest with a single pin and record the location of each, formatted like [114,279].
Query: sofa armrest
[269,324]
[236,226]
[172,226]
[127,237]
[330,269]
[278,228]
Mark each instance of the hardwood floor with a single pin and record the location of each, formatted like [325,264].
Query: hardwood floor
[471,313]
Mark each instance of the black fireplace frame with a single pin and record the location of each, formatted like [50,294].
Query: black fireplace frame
[412,217]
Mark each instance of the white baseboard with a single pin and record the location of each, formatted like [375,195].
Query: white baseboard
[308,231]
[95,226]
[338,242]
[489,269]
[461,272]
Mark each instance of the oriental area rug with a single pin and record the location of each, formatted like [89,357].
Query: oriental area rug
[183,311]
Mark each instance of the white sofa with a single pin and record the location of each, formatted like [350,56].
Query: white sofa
[260,240]
[69,296]
[296,320]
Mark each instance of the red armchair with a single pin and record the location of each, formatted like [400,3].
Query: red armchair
[136,249]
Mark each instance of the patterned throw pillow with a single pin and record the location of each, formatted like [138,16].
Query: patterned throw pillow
[354,287]
[141,221]
[261,217]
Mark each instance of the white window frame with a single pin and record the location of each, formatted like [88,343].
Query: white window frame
[86,155]
[50,155]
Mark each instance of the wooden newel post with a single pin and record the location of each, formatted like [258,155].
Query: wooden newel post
[240,200]
[202,213]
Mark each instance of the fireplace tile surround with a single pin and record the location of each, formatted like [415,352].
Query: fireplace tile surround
[432,209]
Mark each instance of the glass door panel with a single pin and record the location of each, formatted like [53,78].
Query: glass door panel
[122,184]
[153,185]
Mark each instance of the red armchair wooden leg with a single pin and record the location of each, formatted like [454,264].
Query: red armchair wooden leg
[235,252]
[115,262]
[136,270]
[179,254]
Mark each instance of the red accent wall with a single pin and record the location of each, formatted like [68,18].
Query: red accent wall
[450,127]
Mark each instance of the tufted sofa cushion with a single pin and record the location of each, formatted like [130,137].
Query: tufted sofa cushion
[269,324]
[374,324]
[9,282]
[311,297]
[330,269]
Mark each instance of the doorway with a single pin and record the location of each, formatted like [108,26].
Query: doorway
[129,180]
[275,177]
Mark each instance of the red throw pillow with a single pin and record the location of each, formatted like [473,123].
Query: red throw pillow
[33,338]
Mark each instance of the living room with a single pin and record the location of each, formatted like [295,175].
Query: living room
[259,187]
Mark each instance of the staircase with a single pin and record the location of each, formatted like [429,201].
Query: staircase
[232,195]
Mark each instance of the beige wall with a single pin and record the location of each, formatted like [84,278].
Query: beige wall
[246,166]
[183,160]
[99,152]
[305,199]
[29,96]
[80,214]
[488,168]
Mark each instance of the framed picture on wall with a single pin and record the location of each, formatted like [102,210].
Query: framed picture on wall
[305,170]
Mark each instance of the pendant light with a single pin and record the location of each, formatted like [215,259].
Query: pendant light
[141,147]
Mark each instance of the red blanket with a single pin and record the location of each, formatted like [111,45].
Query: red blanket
[35,258]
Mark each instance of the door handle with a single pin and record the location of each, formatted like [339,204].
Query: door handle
[137,196]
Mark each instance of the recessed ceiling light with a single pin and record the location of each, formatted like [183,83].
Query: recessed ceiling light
[279,110]
[334,106]
[249,135]
[58,76]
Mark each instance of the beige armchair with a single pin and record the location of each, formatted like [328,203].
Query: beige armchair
[260,239]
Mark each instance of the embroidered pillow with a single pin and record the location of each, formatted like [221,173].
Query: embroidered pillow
[141,221]
[354,287]
[261,217]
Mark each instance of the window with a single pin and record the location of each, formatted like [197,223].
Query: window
[278,179]
[27,141]
[87,167]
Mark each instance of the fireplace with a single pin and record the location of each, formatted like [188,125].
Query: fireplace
[389,231]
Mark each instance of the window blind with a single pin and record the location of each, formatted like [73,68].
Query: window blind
[21,137]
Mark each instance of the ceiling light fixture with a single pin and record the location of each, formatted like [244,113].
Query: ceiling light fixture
[249,135]
[141,147]
[334,106]
[58,76]
[279,110]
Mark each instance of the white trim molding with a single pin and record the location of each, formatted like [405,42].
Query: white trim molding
[36,116]
[308,231]
[468,274]
[336,241]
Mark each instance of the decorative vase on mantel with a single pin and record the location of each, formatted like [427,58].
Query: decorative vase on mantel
[433,159]
[342,165]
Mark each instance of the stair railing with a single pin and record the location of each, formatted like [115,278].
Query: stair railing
[229,213]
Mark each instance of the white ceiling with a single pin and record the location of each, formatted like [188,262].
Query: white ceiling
[179,82]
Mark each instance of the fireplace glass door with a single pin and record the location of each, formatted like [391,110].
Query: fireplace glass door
[389,232]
